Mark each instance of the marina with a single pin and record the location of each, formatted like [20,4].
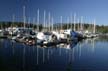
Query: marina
[27,36]
[49,47]
[53,35]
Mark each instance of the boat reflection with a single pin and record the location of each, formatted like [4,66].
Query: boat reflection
[88,44]
[91,43]
[50,53]
[84,54]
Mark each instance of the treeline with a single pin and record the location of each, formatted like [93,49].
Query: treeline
[4,25]
[86,26]
[102,29]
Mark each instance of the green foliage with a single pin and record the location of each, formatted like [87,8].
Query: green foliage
[86,26]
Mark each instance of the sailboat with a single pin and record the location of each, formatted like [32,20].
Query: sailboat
[93,33]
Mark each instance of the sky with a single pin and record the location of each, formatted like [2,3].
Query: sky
[89,9]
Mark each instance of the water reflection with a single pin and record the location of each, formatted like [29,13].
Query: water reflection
[91,43]
[24,52]
[43,55]
[93,47]
[37,55]
[23,56]
[88,45]
[80,46]
[75,56]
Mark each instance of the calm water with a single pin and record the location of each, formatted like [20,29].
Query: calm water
[88,55]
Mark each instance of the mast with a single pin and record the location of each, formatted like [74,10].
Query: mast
[78,24]
[49,16]
[44,20]
[74,21]
[71,21]
[33,22]
[28,22]
[13,20]
[81,24]
[94,28]
[56,27]
[38,20]
[61,22]
[67,23]
[24,17]
[52,22]
[46,25]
